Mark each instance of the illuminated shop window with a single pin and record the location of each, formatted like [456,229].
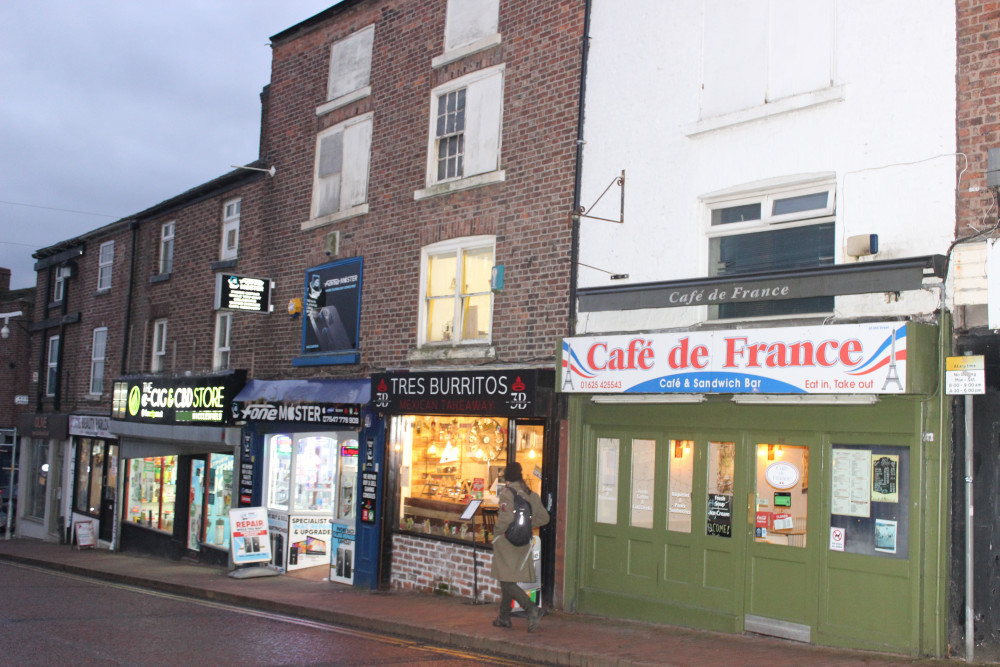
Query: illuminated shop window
[152,492]
[444,463]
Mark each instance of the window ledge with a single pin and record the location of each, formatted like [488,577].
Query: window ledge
[92,398]
[223,264]
[477,181]
[100,292]
[449,352]
[338,102]
[778,107]
[352,212]
[466,50]
[161,278]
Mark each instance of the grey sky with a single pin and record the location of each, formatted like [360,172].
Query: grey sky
[112,106]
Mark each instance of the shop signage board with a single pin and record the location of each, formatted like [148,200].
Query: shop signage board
[91,426]
[369,495]
[965,375]
[297,411]
[331,321]
[248,535]
[836,359]
[506,393]
[243,293]
[202,400]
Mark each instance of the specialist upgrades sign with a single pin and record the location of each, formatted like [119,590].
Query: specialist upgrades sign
[836,359]
[185,399]
[242,293]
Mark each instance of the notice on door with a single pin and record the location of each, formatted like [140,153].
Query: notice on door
[720,515]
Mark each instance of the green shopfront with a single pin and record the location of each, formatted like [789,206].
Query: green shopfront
[786,481]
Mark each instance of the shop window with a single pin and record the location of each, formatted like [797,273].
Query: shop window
[303,471]
[721,473]
[89,474]
[458,304]
[152,492]
[607,480]
[35,484]
[530,441]
[166,248]
[643,478]
[681,473]
[786,229]
[444,463]
[97,351]
[106,259]
[231,229]
[870,500]
[781,494]
[350,69]
[219,499]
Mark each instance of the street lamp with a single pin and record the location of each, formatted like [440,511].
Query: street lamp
[5,330]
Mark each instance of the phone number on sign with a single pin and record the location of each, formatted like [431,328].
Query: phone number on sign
[600,384]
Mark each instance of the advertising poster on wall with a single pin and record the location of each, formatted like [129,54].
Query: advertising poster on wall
[342,554]
[248,535]
[308,541]
[332,304]
[277,525]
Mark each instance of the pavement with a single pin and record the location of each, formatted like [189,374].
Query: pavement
[563,638]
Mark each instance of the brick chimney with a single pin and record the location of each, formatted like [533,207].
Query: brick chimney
[4,280]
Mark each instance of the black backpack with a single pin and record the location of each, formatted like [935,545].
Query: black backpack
[518,533]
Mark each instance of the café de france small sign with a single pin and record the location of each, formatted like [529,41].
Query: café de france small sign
[965,375]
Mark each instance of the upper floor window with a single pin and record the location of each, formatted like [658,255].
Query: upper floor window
[166,248]
[231,229]
[761,51]
[465,122]
[158,362]
[457,304]
[223,328]
[52,366]
[340,183]
[104,264]
[97,352]
[350,69]
[470,26]
[768,230]
[59,288]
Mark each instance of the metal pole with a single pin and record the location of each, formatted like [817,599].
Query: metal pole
[970,622]
[10,491]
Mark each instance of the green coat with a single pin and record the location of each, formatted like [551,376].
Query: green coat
[511,563]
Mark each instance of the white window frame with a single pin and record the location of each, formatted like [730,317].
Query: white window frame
[52,366]
[59,289]
[452,247]
[167,247]
[106,260]
[350,70]
[470,26]
[484,101]
[223,333]
[767,195]
[98,355]
[351,182]
[231,211]
[158,360]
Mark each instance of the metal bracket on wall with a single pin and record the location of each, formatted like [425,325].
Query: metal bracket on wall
[581,212]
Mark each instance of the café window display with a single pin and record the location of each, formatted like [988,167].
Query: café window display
[152,492]
[447,461]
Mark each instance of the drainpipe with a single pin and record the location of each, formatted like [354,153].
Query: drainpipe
[970,619]
[575,250]
[126,326]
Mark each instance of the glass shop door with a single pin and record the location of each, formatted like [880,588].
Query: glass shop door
[783,540]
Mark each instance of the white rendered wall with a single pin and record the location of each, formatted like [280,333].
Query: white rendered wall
[885,128]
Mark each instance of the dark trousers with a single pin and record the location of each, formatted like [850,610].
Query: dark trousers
[509,590]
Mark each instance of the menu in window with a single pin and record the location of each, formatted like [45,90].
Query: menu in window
[851,488]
